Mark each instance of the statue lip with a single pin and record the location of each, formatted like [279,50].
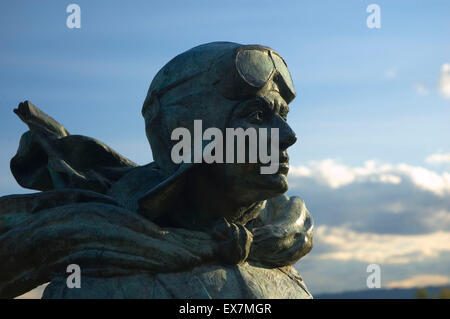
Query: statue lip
[283,168]
[284,159]
[284,164]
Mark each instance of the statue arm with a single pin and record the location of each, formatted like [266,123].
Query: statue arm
[40,237]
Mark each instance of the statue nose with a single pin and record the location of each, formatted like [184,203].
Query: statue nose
[287,136]
[288,141]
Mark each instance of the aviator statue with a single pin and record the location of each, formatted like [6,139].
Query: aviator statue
[162,230]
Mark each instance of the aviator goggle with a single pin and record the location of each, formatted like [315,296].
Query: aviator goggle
[254,67]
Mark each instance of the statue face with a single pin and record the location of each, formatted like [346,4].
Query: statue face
[223,86]
[244,182]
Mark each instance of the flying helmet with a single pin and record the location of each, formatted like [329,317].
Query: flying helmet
[202,83]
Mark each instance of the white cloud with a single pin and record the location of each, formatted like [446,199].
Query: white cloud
[438,158]
[426,179]
[421,89]
[444,84]
[420,281]
[347,245]
[335,175]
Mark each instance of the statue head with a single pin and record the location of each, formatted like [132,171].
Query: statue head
[226,85]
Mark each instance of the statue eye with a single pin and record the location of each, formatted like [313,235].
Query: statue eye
[256,117]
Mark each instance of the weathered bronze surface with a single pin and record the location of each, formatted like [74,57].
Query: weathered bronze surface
[161,230]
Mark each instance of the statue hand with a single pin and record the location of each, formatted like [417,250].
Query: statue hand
[233,242]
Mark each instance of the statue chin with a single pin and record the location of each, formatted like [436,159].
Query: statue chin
[272,185]
[277,183]
[256,187]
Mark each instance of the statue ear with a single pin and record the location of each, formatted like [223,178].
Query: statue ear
[151,108]
[158,135]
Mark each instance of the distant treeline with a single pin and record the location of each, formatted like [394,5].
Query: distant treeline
[397,293]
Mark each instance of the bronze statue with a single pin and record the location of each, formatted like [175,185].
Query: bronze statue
[166,229]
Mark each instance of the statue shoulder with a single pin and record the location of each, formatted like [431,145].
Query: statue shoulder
[133,185]
[49,158]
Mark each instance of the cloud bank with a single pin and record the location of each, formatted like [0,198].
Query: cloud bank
[421,281]
[336,175]
[345,244]
[394,215]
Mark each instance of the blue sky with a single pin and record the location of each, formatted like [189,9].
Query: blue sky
[94,79]
[363,94]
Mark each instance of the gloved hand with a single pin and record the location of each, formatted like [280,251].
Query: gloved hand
[233,242]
